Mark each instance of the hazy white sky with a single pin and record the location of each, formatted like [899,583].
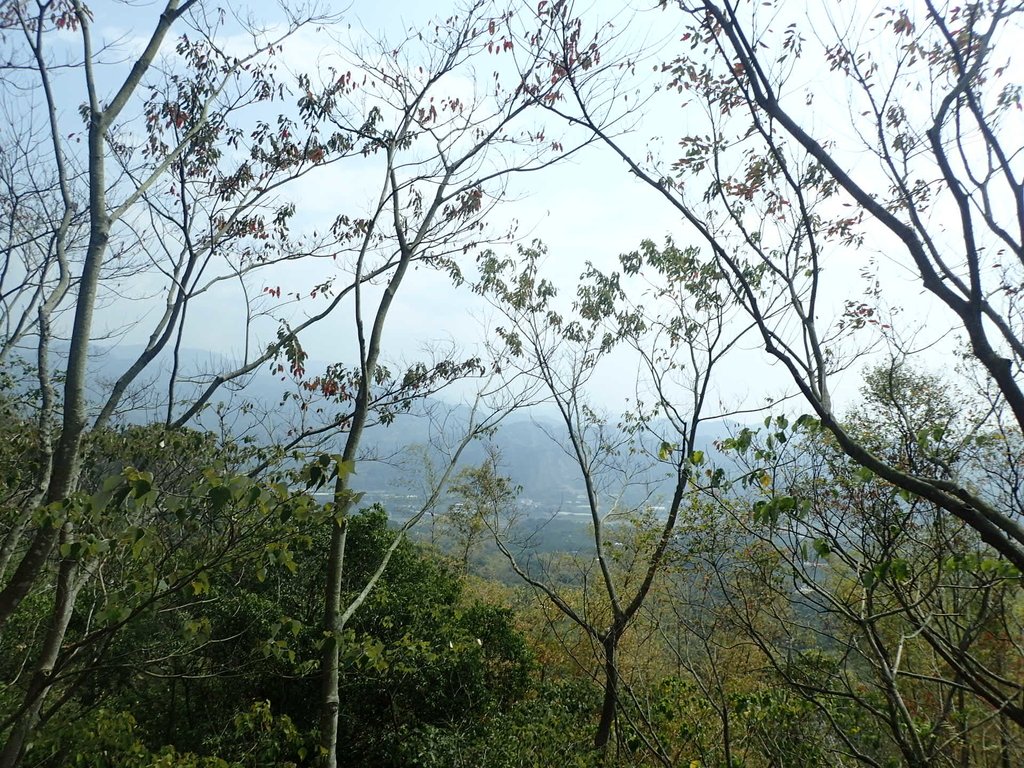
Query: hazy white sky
[588,208]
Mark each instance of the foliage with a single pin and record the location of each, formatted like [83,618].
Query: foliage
[897,606]
[838,588]
[107,739]
[417,656]
[550,727]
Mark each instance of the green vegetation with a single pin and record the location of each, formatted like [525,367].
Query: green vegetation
[805,614]
[192,575]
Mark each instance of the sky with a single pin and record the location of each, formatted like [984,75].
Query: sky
[586,209]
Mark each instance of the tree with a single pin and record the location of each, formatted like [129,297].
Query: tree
[484,502]
[420,657]
[896,611]
[178,172]
[929,170]
[431,207]
[50,265]
[157,551]
[677,337]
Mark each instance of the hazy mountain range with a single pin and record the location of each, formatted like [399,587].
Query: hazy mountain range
[394,461]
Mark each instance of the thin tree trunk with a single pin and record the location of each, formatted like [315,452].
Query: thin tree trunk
[68,586]
[965,736]
[611,691]
[330,700]
[465,554]
[726,733]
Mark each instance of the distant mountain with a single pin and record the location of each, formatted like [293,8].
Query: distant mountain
[534,454]
[393,464]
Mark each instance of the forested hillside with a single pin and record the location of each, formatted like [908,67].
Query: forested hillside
[511,385]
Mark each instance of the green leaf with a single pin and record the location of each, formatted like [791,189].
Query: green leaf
[899,569]
[864,475]
[142,484]
[808,422]
[219,496]
[201,584]
[344,469]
